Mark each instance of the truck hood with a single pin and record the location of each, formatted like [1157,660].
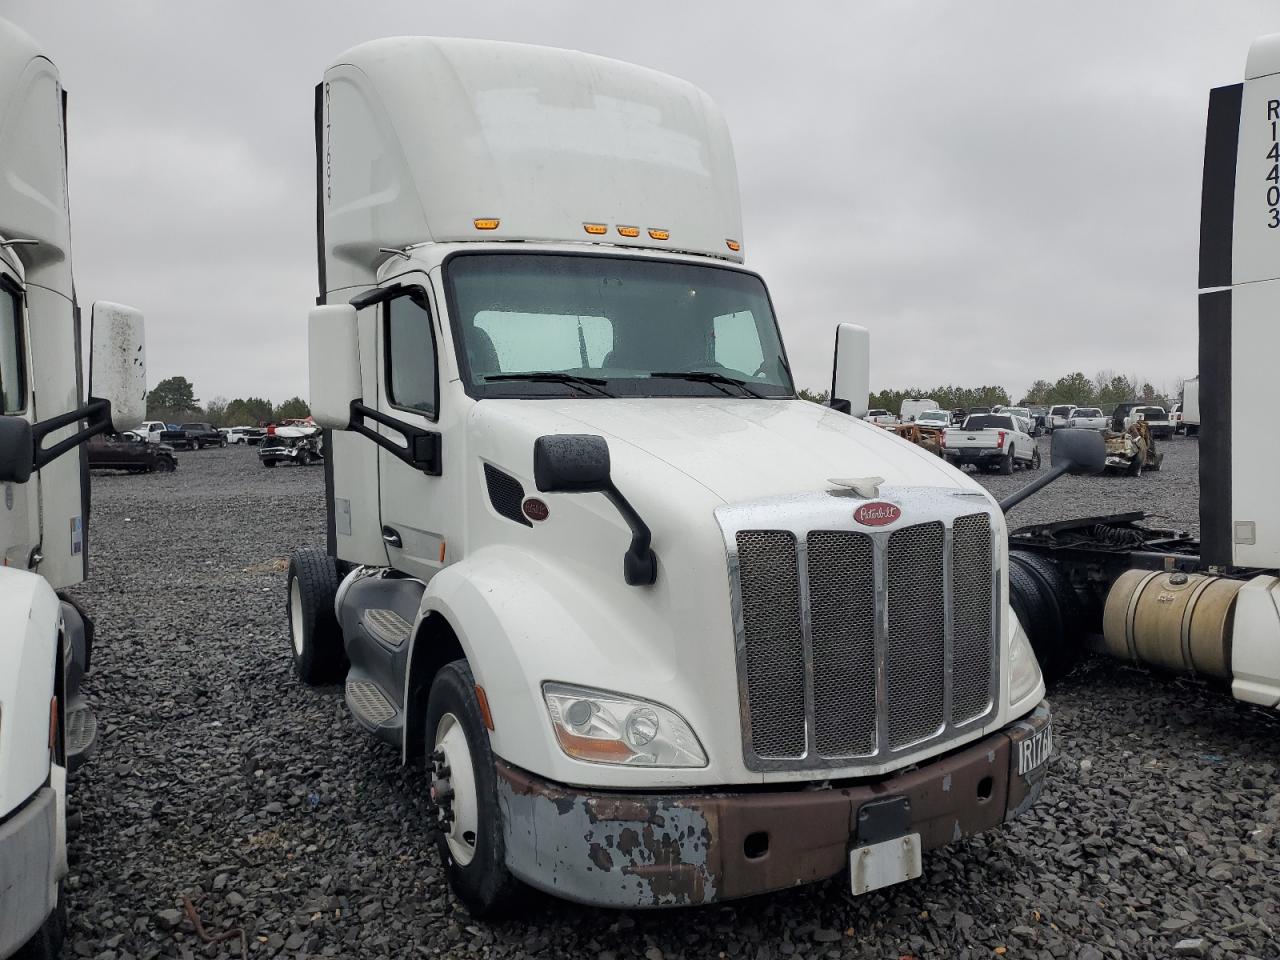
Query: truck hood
[744,449]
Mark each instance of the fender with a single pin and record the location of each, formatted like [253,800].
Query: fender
[28,662]
[520,621]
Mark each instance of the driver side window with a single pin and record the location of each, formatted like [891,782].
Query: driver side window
[13,387]
[412,382]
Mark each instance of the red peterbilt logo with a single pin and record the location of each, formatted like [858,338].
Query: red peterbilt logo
[877,513]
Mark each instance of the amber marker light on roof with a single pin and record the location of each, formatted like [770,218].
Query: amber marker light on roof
[733,245]
[659,234]
[486,223]
[629,231]
[595,229]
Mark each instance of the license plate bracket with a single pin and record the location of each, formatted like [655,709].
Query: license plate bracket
[883,864]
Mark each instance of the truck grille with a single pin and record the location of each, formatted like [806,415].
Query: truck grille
[854,646]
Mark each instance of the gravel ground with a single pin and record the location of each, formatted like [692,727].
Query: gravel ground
[221,777]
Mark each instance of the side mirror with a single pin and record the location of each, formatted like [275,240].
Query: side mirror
[333,346]
[571,463]
[579,463]
[17,451]
[1080,451]
[851,375]
[118,363]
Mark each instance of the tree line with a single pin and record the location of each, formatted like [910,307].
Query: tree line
[173,399]
[1106,389]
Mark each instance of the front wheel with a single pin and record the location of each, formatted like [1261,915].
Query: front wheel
[318,654]
[1035,459]
[304,458]
[464,786]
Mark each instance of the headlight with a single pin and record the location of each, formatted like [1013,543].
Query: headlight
[603,727]
[1024,671]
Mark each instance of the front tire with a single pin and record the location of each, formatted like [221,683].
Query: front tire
[471,844]
[318,653]
[47,942]
[1035,459]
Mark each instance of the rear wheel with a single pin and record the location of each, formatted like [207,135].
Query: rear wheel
[1006,464]
[318,654]
[464,787]
[304,458]
[1035,459]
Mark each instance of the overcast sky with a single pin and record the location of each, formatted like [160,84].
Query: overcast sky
[999,191]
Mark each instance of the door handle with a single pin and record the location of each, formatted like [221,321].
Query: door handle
[391,537]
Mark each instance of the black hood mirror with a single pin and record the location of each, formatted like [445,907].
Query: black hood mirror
[1082,452]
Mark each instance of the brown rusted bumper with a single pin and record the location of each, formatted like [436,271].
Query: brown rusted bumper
[674,849]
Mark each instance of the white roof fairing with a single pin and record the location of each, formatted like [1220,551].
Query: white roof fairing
[422,136]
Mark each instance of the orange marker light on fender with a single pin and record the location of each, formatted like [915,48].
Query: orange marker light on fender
[486,223]
[483,698]
[659,234]
[733,245]
[629,231]
[595,229]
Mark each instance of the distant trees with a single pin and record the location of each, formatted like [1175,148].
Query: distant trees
[947,397]
[174,399]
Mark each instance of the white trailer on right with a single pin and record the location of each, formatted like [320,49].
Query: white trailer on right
[1207,607]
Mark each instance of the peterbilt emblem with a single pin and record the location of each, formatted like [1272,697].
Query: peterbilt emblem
[877,514]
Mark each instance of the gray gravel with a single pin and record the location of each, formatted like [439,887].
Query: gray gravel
[221,777]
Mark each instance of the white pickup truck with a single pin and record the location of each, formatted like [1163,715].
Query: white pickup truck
[991,441]
[1157,419]
[1087,418]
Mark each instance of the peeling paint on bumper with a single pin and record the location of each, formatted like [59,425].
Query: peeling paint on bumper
[676,849]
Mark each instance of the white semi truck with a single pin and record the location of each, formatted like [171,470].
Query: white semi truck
[1206,607]
[663,632]
[46,641]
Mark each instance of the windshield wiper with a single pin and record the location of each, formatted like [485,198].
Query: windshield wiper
[571,379]
[708,376]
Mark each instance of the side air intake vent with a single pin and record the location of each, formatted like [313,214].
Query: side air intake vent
[506,494]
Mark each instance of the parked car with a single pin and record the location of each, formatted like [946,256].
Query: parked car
[1156,419]
[881,418]
[1086,418]
[957,416]
[150,430]
[300,445]
[913,408]
[1175,417]
[1023,413]
[116,452]
[991,441]
[1040,417]
[194,436]
[934,418]
[1059,414]
[246,435]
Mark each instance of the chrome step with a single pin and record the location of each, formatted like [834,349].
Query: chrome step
[369,703]
[81,735]
[387,626]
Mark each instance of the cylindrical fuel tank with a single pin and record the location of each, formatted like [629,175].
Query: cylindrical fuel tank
[1174,621]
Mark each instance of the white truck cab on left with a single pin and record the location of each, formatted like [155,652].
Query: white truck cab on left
[45,639]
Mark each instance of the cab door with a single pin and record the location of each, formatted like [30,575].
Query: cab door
[19,502]
[419,513]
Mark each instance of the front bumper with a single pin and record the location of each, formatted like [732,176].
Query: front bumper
[28,869]
[651,850]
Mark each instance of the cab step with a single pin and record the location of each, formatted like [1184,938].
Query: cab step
[369,704]
[81,734]
[386,626]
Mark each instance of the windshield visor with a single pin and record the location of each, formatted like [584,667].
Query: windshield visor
[615,321]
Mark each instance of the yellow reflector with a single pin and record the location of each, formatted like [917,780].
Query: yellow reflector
[629,231]
[659,234]
[595,228]
[487,223]
[733,245]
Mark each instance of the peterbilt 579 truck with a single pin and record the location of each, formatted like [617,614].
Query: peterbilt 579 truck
[662,632]
[1207,607]
[46,640]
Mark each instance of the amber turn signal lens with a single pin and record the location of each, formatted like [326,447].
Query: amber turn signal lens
[595,229]
[659,234]
[733,245]
[487,223]
[629,231]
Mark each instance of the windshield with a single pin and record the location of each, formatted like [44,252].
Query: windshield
[536,325]
[934,416]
